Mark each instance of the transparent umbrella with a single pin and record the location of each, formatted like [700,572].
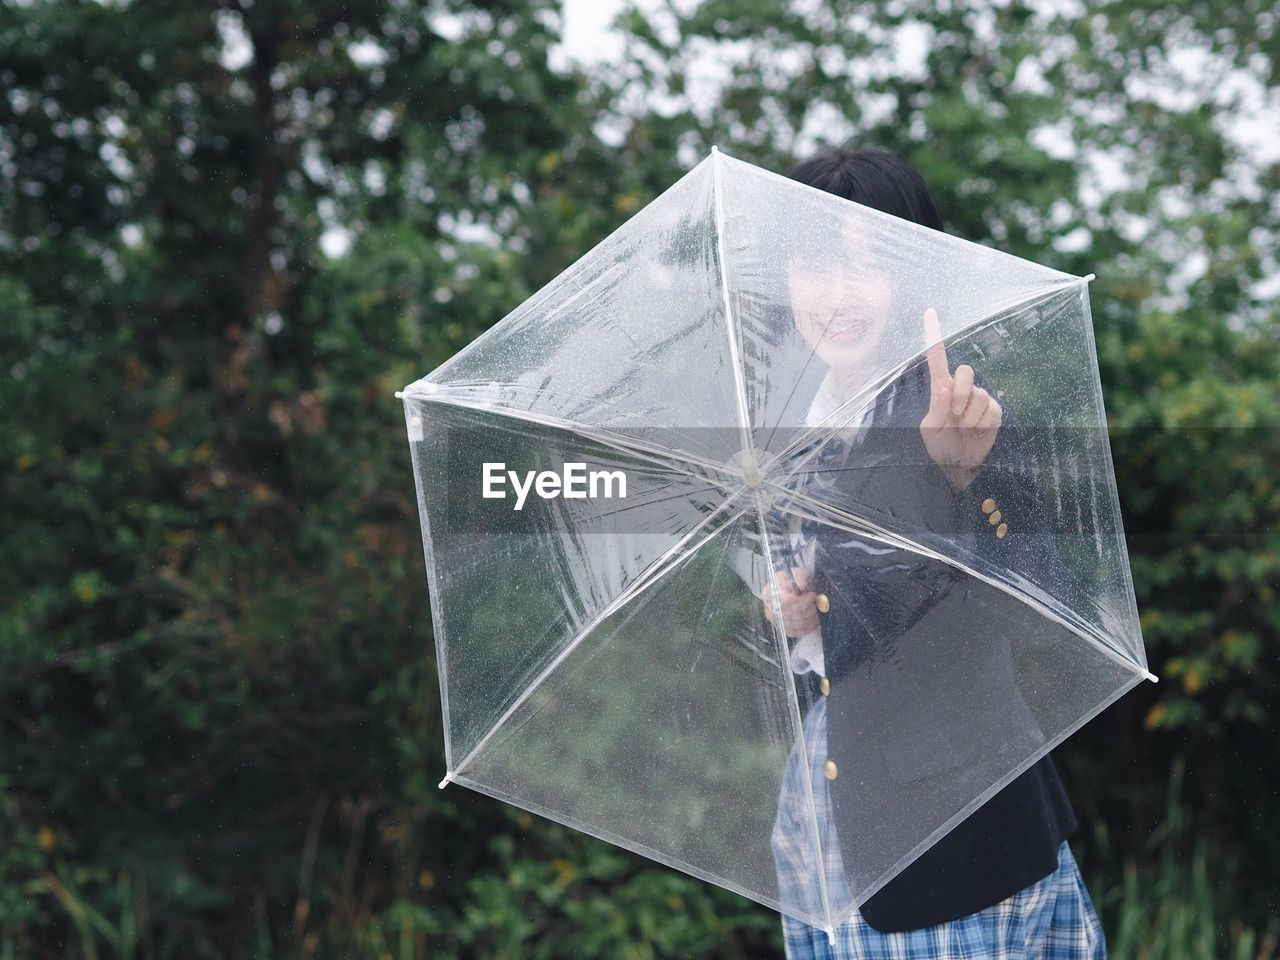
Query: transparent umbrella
[744,396]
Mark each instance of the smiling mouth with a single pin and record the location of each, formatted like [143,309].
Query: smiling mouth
[846,329]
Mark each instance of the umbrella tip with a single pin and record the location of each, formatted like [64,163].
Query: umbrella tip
[448,778]
[1148,675]
[831,936]
[399,394]
[1089,278]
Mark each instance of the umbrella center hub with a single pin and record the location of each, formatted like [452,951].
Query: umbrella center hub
[751,475]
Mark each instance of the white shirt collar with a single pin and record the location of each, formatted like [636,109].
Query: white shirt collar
[829,397]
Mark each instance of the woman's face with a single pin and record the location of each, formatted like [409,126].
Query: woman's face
[841,308]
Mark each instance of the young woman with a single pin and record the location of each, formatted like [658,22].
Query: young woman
[1003,883]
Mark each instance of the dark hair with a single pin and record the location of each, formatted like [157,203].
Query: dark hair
[875,178]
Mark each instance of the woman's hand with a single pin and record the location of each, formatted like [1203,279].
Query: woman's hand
[961,426]
[799,604]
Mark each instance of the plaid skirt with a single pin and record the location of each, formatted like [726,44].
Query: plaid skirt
[1052,919]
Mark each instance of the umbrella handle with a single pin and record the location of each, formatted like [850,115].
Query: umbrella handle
[792,577]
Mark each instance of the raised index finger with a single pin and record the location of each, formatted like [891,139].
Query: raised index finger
[939,373]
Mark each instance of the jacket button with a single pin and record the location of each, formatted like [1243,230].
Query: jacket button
[988,505]
[1001,531]
[825,686]
[994,518]
[824,603]
[830,770]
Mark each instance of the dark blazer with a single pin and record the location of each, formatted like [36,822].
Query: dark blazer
[923,701]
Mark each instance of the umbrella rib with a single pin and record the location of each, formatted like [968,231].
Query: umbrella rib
[652,501]
[479,560]
[735,353]
[864,396]
[799,378]
[657,569]
[651,453]
[793,701]
[872,531]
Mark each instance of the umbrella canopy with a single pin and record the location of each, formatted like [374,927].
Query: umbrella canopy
[740,392]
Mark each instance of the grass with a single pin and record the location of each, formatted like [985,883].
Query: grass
[1174,901]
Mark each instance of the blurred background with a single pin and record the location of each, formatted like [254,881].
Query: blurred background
[229,231]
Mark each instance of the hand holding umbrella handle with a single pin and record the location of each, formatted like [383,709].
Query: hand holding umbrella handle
[960,427]
[798,603]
